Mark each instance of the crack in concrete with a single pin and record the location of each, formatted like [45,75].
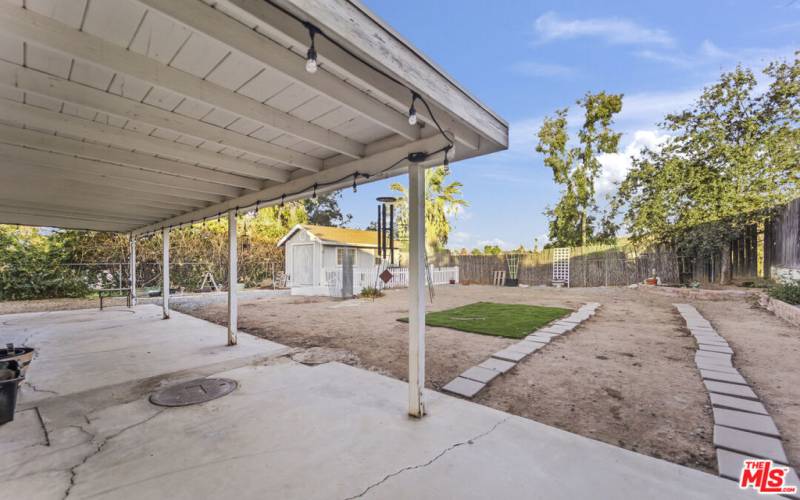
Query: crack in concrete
[36,389]
[44,427]
[73,471]
[429,462]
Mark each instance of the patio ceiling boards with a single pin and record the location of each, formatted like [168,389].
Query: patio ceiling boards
[134,115]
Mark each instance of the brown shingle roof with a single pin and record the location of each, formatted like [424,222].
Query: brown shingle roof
[341,235]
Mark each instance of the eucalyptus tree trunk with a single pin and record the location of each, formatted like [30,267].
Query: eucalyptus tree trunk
[725,264]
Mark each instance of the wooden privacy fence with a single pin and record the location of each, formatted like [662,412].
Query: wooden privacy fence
[607,268]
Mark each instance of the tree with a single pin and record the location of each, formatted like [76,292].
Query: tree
[492,250]
[442,201]
[731,159]
[572,220]
[324,210]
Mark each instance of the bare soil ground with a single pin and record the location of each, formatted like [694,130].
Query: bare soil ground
[626,376]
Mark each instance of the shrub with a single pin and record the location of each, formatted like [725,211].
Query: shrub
[370,292]
[32,268]
[788,292]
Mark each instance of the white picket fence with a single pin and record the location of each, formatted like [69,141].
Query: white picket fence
[364,277]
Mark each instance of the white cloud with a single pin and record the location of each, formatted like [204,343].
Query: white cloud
[459,239]
[617,165]
[494,241]
[710,56]
[533,68]
[550,26]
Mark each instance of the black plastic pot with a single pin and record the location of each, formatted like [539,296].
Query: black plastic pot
[512,282]
[8,399]
[17,358]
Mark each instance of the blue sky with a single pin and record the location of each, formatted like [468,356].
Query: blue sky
[524,59]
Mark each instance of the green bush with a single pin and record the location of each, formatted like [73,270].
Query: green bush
[31,267]
[370,293]
[787,292]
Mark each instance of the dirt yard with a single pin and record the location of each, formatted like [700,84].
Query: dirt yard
[626,376]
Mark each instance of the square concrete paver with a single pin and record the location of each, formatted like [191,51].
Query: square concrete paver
[713,348]
[464,387]
[712,342]
[741,391]
[542,339]
[732,378]
[713,355]
[480,374]
[525,347]
[761,424]
[710,364]
[709,338]
[749,443]
[509,355]
[497,365]
[734,403]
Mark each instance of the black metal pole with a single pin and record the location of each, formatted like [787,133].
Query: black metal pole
[379,230]
[391,232]
[383,233]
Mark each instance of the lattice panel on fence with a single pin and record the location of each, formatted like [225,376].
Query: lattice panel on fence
[561,265]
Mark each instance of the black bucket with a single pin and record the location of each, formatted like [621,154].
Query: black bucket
[18,358]
[8,399]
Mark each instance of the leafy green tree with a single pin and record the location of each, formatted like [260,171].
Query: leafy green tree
[731,159]
[492,250]
[324,210]
[572,220]
[32,266]
[442,202]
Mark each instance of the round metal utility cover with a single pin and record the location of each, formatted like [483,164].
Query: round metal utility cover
[193,392]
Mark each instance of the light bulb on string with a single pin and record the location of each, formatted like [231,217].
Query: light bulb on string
[311,55]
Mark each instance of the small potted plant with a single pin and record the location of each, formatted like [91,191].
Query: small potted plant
[13,364]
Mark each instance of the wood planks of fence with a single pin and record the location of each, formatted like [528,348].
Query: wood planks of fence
[587,269]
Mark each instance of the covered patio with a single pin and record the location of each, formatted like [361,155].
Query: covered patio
[140,116]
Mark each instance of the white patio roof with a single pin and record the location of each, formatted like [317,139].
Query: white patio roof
[134,115]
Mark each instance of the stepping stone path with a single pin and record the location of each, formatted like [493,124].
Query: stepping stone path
[469,383]
[743,428]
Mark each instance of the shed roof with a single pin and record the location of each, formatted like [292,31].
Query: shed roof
[336,235]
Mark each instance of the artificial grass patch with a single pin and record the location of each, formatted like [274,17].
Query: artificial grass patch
[489,318]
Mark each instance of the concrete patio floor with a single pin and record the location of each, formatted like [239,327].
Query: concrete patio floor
[288,431]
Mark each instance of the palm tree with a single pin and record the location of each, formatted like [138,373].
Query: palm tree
[442,201]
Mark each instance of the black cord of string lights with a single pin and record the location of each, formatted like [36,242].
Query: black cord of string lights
[312,54]
[412,158]
[311,66]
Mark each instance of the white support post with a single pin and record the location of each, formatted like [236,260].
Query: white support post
[132,270]
[165,272]
[233,279]
[416,287]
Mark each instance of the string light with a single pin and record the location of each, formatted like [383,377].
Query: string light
[283,196]
[314,193]
[412,112]
[355,186]
[311,55]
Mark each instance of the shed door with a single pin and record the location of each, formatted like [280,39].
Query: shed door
[303,265]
